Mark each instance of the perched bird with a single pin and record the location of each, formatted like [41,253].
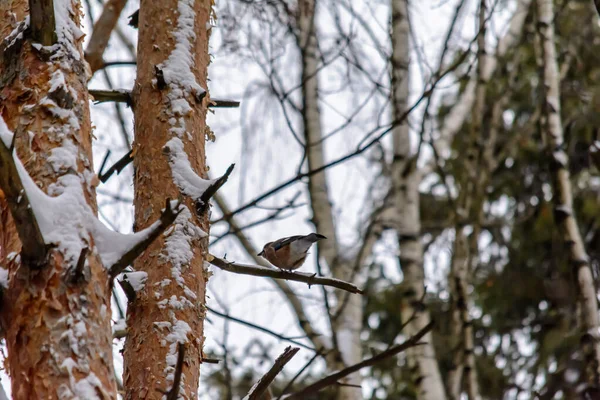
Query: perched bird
[289,252]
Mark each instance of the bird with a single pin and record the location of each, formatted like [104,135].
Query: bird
[290,252]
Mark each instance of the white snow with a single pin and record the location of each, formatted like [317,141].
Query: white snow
[178,245]
[177,69]
[3,278]
[136,279]
[184,176]
[120,325]
[67,31]
[66,220]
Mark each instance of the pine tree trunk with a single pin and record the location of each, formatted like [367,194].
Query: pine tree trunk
[405,189]
[170,111]
[57,329]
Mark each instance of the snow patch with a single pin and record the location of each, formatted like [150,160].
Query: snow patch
[136,279]
[66,220]
[184,176]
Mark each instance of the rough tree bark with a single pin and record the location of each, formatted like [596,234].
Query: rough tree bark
[170,109]
[57,329]
[405,217]
[347,324]
[563,194]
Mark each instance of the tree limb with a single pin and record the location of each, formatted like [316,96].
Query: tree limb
[101,33]
[263,383]
[124,95]
[203,202]
[43,23]
[256,270]
[333,378]
[167,217]
[34,248]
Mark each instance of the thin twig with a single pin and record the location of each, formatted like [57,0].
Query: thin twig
[291,382]
[263,383]
[256,270]
[173,394]
[117,167]
[203,202]
[335,377]
[259,328]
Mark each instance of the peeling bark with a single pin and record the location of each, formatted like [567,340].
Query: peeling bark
[168,107]
[404,216]
[57,330]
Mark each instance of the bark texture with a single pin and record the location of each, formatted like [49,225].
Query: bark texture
[563,194]
[57,330]
[170,110]
[404,216]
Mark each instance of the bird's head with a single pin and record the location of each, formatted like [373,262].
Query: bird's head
[262,253]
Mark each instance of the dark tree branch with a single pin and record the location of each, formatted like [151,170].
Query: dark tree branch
[166,218]
[259,328]
[124,95]
[173,394]
[34,249]
[203,202]
[78,272]
[291,382]
[117,167]
[118,96]
[263,383]
[43,23]
[134,19]
[333,378]
[255,270]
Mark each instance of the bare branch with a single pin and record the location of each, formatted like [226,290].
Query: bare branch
[173,394]
[102,31]
[34,248]
[167,217]
[256,270]
[124,95]
[333,378]
[117,167]
[293,300]
[43,23]
[203,202]
[263,383]
[259,328]
[118,96]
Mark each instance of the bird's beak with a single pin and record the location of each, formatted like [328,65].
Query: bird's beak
[262,253]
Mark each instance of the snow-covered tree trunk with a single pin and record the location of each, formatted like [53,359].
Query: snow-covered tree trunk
[170,105]
[405,216]
[55,312]
[563,194]
[346,327]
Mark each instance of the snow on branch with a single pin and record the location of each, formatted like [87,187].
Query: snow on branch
[34,248]
[255,270]
[189,182]
[173,394]
[67,221]
[335,377]
[144,238]
[257,391]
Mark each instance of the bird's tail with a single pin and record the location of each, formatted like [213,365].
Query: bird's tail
[315,237]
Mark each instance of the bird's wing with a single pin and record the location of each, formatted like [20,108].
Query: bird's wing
[278,244]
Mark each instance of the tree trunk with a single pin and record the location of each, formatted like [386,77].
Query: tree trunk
[563,194]
[347,326]
[405,217]
[170,109]
[57,328]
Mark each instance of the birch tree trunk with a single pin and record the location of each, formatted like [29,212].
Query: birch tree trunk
[347,326]
[57,329]
[170,109]
[563,194]
[406,216]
